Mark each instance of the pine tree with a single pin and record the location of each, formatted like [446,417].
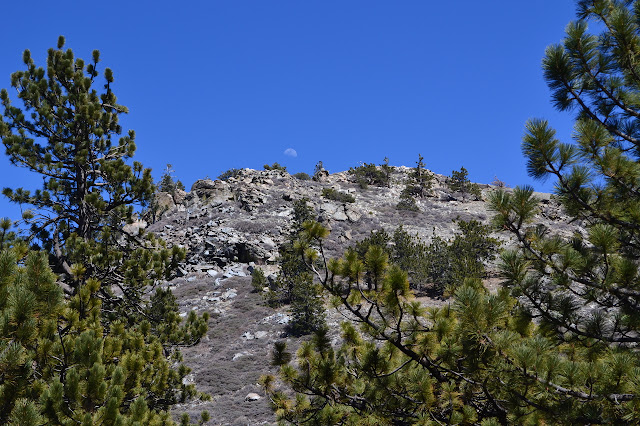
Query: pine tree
[111,348]
[420,181]
[89,191]
[584,291]
[168,183]
[459,182]
[387,169]
[294,283]
[406,365]
[369,174]
[557,344]
[58,366]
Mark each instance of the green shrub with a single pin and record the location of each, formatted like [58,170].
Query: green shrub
[231,173]
[343,197]
[441,266]
[275,166]
[302,176]
[369,174]
[258,280]
[459,182]
[407,201]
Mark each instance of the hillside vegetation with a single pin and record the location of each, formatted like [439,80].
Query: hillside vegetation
[378,295]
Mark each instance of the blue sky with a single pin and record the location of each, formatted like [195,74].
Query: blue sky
[214,85]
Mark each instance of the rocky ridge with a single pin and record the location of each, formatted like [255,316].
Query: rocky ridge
[230,227]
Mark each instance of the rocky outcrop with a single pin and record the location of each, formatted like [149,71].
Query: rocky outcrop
[164,202]
[210,189]
[245,218]
[231,227]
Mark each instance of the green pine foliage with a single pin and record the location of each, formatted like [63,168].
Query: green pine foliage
[369,174]
[420,180]
[335,195]
[464,256]
[302,176]
[109,354]
[231,173]
[258,280]
[459,182]
[436,268]
[557,344]
[275,166]
[89,191]
[294,283]
[168,183]
[413,374]
[387,169]
[307,307]
[60,365]
[419,184]
[8,237]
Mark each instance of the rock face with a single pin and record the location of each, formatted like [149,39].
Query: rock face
[246,218]
[231,227]
[207,188]
[165,201]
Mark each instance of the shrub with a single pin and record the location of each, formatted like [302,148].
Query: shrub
[258,280]
[499,183]
[275,166]
[459,182]
[231,173]
[407,201]
[302,176]
[369,174]
[332,194]
[442,265]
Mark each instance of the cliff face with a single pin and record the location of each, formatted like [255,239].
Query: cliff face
[229,227]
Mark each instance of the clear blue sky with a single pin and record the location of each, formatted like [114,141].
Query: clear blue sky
[212,85]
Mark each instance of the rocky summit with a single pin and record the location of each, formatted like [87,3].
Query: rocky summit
[229,227]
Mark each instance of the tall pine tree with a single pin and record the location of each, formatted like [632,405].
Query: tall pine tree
[108,348]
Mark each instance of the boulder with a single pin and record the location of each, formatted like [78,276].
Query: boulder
[329,208]
[321,175]
[203,186]
[164,201]
[252,397]
[352,213]
[208,188]
[179,196]
[340,215]
[135,227]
